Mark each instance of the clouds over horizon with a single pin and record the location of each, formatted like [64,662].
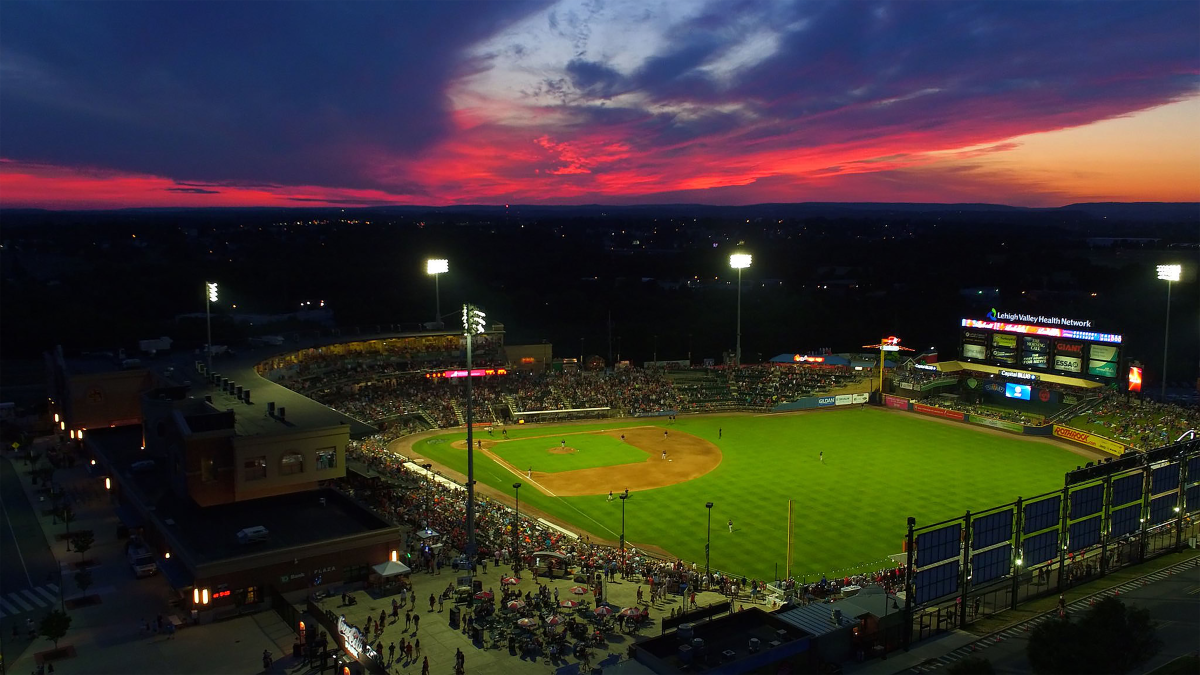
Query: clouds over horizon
[594,100]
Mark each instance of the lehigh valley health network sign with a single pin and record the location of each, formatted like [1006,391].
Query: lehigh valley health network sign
[994,315]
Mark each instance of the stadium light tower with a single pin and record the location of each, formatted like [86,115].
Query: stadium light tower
[436,266]
[1167,273]
[708,545]
[739,262]
[623,498]
[473,324]
[517,531]
[210,296]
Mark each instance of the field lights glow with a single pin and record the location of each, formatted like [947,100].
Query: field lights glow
[739,261]
[212,291]
[1169,272]
[437,266]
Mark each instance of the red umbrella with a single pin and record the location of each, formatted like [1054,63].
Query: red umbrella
[579,590]
[603,610]
[510,581]
[483,595]
[554,620]
[515,605]
[568,603]
[631,611]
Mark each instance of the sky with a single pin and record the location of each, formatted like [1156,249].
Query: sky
[157,103]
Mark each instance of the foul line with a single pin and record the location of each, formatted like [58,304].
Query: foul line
[18,546]
[492,456]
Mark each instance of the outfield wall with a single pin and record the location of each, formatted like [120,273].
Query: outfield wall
[1057,430]
[822,402]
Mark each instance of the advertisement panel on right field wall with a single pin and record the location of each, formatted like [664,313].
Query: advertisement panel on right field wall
[1091,440]
[996,424]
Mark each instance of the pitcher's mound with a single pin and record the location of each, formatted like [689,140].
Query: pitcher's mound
[562,451]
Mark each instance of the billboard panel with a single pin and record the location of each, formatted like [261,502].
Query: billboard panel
[1035,352]
[970,351]
[1004,348]
[1068,364]
[1102,360]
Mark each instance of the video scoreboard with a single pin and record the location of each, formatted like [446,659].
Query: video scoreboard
[1053,349]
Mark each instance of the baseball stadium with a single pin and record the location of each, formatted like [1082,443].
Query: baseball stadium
[806,468]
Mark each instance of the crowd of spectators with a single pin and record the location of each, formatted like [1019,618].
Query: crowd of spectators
[1140,424]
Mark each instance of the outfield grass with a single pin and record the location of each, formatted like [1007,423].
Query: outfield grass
[591,450]
[880,467]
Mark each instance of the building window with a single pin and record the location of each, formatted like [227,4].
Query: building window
[327,458]
[291,463]
[255,468]
[355,573]
[208,470]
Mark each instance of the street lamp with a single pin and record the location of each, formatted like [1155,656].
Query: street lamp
[739,262]
[708,545]
[1167,273]
[210,296]
[436,266]
[473,324]
[517,531]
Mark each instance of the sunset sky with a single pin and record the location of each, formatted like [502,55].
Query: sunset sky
[131,104]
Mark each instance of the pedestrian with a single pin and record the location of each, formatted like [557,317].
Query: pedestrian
[479,444]
[266,660]
[416,647]
[395,610]
[731,525]
[416,623]
[822,456]
[425,666]
[170,631]
[391,653]
[379,648]
[441,602]
[408,651]
[382,619]
[432,600]
[610,495]
[407,619]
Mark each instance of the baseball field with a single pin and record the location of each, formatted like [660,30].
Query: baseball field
[854,475]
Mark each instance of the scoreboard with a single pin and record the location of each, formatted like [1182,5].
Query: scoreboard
[1064,351]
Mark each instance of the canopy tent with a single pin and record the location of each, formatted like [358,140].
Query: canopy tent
[549,554]
[391,568]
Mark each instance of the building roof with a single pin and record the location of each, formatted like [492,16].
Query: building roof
[816,619]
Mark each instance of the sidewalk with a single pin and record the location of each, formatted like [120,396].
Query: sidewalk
[107,636]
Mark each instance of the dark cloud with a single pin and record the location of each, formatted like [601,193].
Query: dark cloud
[193,191]
[291,93]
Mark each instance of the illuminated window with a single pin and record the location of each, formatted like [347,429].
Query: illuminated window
[255,468]
[291,463]
[327,458]
[208,469]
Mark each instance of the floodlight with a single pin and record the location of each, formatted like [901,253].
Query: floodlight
[739,261]
[1169,272]
[437,266]
[212,291]
[473,320]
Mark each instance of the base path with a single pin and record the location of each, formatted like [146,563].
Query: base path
[688,457]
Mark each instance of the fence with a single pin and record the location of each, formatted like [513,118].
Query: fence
[1119,512]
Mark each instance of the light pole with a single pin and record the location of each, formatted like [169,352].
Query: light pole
[473,323]
[436,266]
[1167,273]
[739,262]
[210,296]
[623,498]
[708,546]
[517,531]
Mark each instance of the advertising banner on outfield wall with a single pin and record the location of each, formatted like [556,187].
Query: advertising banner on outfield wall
[996,424]
[859,398]
[895,402]
[826,401]
[938,412]
[1091,440]
[843,399]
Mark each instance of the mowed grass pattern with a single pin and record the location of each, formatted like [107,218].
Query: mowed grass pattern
[850,511]
[591,450]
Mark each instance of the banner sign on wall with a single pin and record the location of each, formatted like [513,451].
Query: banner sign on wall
[859,398]
[843,399]
[1090,440]
[938,412]
[1069,364]
[825,401]
[996,424]
[895,402]
[1102,361]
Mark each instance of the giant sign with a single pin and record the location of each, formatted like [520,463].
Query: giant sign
[1090,440]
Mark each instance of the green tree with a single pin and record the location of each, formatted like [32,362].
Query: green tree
[54,626]
[83,579]
[972,665]
[1109,638]
[82,541]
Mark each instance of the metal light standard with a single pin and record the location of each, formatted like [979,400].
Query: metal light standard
[1167,273]
[436,266]
[708,546]
[210,296]
[517,531]
[739,262]
[473,323]
[623,498]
